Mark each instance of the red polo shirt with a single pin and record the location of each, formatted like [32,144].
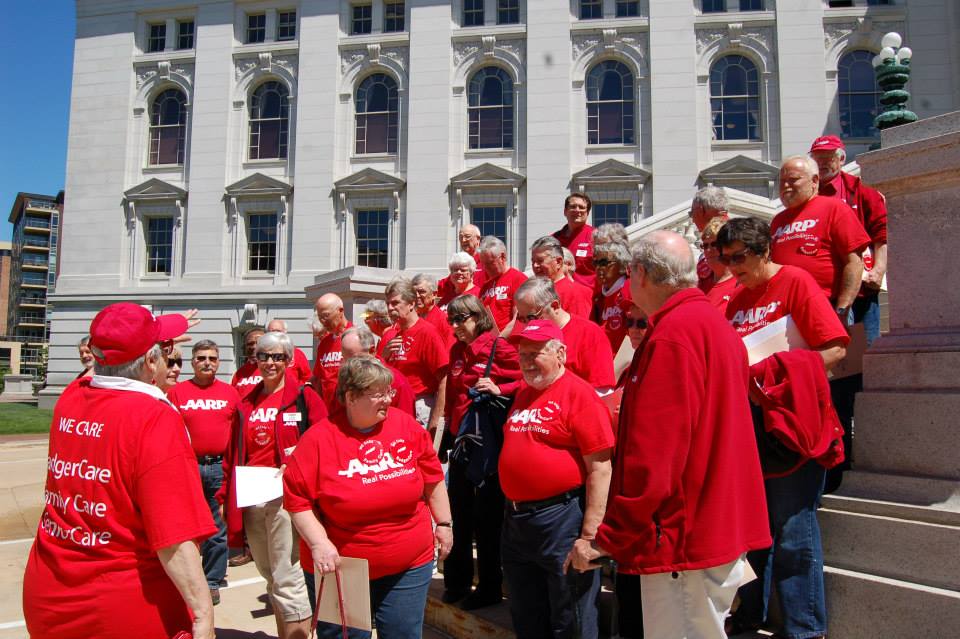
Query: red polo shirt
[720,293]
[423,357]
[497,295]
[575,298]
[326,366]
[581,245]
[818,236]
[611,312]
[209,412]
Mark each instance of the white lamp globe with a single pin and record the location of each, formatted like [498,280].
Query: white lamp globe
[904,54]
[892,40]
[886,53]
[877,61]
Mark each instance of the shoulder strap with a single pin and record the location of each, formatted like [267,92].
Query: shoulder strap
[493,351]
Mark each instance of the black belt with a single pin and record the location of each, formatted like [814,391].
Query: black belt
[528,506]
[207,460]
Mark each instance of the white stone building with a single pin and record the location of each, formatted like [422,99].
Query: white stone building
[224,154]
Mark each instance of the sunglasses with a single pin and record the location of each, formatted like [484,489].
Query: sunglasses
[639,322]
[703,246]
[206,358]
[174,361]
[734,258]
[273,357]
[453,320]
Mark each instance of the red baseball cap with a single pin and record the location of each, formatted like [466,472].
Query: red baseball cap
[826,143]
[538,331]
[125,331]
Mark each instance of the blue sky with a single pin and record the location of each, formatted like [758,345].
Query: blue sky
[37,37]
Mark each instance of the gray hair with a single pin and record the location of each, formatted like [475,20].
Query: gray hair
[424,278]
[462,259]
[548,243]
[617,251]
[553,345]
[273,340]
[376,308]
[568,258]
[540,290]
[83,341]
[712,198]
[808,163]
[609,233]
[367,339]
[663,267]
[403,287]
[205,345]
[493,246]
[281,322]
[129,370]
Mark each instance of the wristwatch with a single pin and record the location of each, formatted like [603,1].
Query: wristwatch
[842,311]
[446,524]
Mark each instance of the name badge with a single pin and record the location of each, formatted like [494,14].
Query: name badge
[289,451]
[581,253]
[291,417]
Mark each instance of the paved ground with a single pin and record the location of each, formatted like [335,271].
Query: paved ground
[242,613]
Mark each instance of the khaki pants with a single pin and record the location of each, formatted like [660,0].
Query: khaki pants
[275,547]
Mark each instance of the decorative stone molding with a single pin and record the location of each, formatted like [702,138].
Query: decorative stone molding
[372,57]
[590,47]
[469,55]
[757,42]
[488,43]
[862,33]
[152,73]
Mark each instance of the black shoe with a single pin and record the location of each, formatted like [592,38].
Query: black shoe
[479,599]
[453,596]
[215,595]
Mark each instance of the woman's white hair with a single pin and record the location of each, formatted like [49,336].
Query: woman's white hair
[462,259]
[268,341]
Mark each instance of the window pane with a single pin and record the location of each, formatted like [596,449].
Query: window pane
[377,107]
[372,238]
[156,37]
[256,28]
[735,99]
[591,9]
[490,110]
[473,13]
[751,5]
[286,25]
[159,245]
[628,8]
[610,104]
[611,213]
[185,34]
[362,19]
[393,17]
[714,6]
[508,11]
[858,95]
[262,242]
[491,220]
[168,128]
[269,121]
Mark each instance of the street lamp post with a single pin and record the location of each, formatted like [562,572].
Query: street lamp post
[892,66]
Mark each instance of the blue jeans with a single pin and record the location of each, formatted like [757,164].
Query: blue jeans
[214,549]
[397,604]
[794,564]
[544,602]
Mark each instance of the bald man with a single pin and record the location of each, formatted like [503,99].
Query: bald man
[326,366]
[693,503]
[301,365]
[360,341]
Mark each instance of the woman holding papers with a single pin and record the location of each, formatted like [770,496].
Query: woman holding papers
[770,292]
[366,483]
[273,416]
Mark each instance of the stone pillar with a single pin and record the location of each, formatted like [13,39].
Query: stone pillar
[892,532]
[356,285]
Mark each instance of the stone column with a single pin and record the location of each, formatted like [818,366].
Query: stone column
[892,532]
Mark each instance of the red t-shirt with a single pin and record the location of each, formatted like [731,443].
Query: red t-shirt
[326,366]
[704,274]
[259,431]
[208,412]
[575,298]
[468,362]
[791,291]
[301,367]
[818,236]
[122,483]
[581,245]
[720,293]
[497,295]
[612,313]
[437,318]
[588,352]
[546,436]
[246,377]
[367,489]
[422,358]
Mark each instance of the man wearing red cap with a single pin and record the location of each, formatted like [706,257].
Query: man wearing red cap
[116,552]
[555,473]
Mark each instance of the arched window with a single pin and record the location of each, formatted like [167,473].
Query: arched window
[269,121]
[377,115]
[168,127]
[610,89]
[735,99]
[490,109]
[858,95]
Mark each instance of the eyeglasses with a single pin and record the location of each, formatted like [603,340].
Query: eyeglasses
[379,397]
[639,322]
[734,258]
[602,262]
[273,357]
[174,361]
[535,315]
[703,246]
[206,358]
[453,320]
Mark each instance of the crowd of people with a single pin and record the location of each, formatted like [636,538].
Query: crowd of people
[603,413]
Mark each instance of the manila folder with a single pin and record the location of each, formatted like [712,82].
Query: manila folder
[355,580]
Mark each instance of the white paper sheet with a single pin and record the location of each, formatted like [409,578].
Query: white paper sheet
[355,578]
[257,485]
[779,336]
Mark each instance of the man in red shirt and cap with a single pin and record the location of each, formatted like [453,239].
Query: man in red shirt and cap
[687,502]
[116,548]
[577,236]
[555,474]
[546,260]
